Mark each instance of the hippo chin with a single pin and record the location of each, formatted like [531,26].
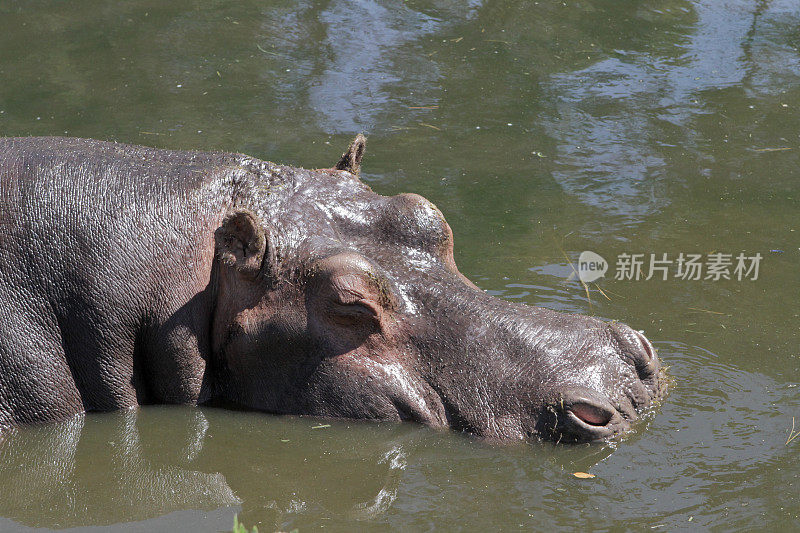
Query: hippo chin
[131,275]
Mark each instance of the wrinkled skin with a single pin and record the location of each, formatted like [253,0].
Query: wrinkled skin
[131,275]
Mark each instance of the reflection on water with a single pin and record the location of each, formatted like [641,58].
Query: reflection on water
[362,38]
[135,465]
[614,118]
[97,471]
[369,49]
[541,130]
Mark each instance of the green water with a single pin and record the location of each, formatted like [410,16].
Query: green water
[541,130]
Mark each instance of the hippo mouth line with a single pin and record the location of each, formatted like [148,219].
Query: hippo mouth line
[585,419]
[582,421]
[583,415]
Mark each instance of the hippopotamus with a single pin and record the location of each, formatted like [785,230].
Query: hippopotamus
[133,275]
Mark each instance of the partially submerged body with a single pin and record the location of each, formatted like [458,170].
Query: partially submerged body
[132,275]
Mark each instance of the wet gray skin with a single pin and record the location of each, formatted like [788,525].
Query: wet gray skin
[133,275]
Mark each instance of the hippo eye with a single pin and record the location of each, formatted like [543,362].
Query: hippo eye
[352,313]
[348,290]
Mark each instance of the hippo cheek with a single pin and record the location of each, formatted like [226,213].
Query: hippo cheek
[358,386]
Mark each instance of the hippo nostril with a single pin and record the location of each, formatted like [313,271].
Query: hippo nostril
[637,350]
[648,348]
[591,414]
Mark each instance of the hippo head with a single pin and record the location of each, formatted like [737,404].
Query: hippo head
[334,301]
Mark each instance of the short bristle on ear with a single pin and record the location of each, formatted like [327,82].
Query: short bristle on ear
[241,241]
[351,159]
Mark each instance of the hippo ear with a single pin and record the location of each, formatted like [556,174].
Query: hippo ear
[241,242]
[351,159]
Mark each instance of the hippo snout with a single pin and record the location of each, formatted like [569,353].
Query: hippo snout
[588,412]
